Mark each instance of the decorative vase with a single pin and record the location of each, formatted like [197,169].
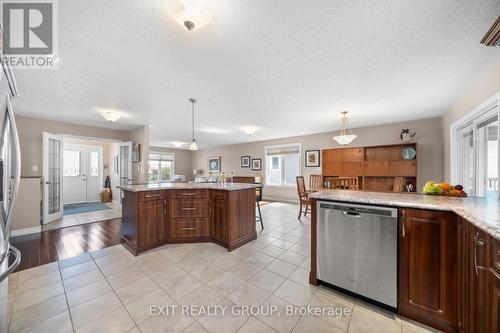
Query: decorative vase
[406,136]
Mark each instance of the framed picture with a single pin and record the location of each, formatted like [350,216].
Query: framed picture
[245,161]
[214,164]
[256,164]
[136,152]
[312,158]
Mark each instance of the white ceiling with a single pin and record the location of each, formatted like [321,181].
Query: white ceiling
[288,66]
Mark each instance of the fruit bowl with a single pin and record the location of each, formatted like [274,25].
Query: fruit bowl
[443,189]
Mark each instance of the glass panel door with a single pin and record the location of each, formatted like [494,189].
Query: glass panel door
[487,156]
[52,174]
[467,159]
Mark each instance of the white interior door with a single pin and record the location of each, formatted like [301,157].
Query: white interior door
[94,173]
[125,164]
[52,177]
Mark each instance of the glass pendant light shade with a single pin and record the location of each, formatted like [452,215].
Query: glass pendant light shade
[193,145]
[346,136]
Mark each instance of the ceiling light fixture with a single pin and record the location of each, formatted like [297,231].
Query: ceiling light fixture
[110,115]
[345,136]
[249,130]
[191,14]
[194,144]
[177,144]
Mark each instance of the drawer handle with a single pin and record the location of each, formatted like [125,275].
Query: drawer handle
[153,196]
[477,241]
[190,194]
[186,228]
[188,208]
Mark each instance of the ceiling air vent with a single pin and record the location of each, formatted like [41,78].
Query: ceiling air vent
[492,38]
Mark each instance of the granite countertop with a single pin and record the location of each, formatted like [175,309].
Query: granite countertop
[482,212]
[188,186]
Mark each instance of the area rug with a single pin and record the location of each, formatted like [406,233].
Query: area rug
[71,209]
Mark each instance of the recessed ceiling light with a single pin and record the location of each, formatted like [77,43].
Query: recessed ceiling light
[249,130]
[110,115]
[177,144]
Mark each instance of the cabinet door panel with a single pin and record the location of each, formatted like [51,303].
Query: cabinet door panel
[494,302]
[218,224]
[332,162]
[403,168]
[352,155]
[352,169]
[152,229]
[376,168]
[428,277]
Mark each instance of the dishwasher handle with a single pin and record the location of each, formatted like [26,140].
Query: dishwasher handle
[351,214]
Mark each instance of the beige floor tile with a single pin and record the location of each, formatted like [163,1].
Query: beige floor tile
[36,314]
[410,326]
[227,260]
[84,218]
[300,275]
[163,324]
[267,280]
[281,267]
[273,251]
[205,272]
[117,267]
[244,270]
[301,249]
[248,294]
[290,238]
[294,293]
[177,287]
[60,323]
[226,283]
[78,269]
[25,299]
[134,330]
[106,252]
[135,289]
[253,325]
[40,281]
[283,244]
[342,311]
[260,259]
[307,324]
[87,292]
[93,309]
[37,271]
[125,277]
[141,308]
[82,279]
[75,260]
[280,321]
[292,257]
[227,321]
[117,321]
[363,321]
[174,254]
[195,328]
[203,296]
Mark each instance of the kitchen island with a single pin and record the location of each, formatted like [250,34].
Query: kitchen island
[448,255]
[158,214]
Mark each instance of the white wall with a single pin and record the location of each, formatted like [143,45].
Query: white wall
[430,152]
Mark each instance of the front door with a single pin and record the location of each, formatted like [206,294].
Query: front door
[82,173]
[52,177]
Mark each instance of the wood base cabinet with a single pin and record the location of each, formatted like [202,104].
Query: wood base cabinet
[428,276]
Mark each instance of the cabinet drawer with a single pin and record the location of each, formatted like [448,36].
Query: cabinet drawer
[188,208]
[219,194]
[151,195]
[180,229]
[189,194]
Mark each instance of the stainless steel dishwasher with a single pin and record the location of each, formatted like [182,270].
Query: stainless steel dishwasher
[357,250]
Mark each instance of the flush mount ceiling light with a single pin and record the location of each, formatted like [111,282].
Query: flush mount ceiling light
[177,144]
[110,115]
[194,144]
[345,136]
[191,14]
[249,130]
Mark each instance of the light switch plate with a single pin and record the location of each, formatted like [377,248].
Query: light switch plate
[35,168]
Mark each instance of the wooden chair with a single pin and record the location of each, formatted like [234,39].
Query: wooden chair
[344,183]
[303,196]
[316,183]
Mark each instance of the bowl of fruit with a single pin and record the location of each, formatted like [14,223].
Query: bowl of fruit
[433,188]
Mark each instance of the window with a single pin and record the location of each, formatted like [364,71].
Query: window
[161,167]
[94,163]
[282,164]
[475,151]
[71,163]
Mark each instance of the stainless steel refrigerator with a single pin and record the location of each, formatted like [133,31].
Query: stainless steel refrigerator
[10,170]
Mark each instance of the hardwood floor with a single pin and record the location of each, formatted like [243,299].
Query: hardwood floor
[52,245]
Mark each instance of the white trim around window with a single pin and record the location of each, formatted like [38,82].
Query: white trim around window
[284,175]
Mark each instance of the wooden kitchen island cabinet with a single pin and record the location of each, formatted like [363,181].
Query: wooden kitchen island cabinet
[154,215]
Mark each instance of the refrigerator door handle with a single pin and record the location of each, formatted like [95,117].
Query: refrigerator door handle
[17,165]
[14,265]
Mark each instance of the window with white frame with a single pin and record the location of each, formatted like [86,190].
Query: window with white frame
[282,164]
[475,150]
[161,167]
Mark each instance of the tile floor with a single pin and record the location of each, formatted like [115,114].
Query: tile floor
[112,291]
[88,217]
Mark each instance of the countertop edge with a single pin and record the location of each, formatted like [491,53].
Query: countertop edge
[229,187]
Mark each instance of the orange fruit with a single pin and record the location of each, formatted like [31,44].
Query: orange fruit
[445,186]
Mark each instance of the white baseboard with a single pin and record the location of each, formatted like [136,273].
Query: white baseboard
[25,231]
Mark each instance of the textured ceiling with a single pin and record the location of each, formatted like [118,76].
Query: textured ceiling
[288,67]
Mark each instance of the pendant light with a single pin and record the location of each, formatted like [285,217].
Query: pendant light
[194,144]
[345,136]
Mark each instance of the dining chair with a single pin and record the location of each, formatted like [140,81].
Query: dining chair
[316,182]
[304,202]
